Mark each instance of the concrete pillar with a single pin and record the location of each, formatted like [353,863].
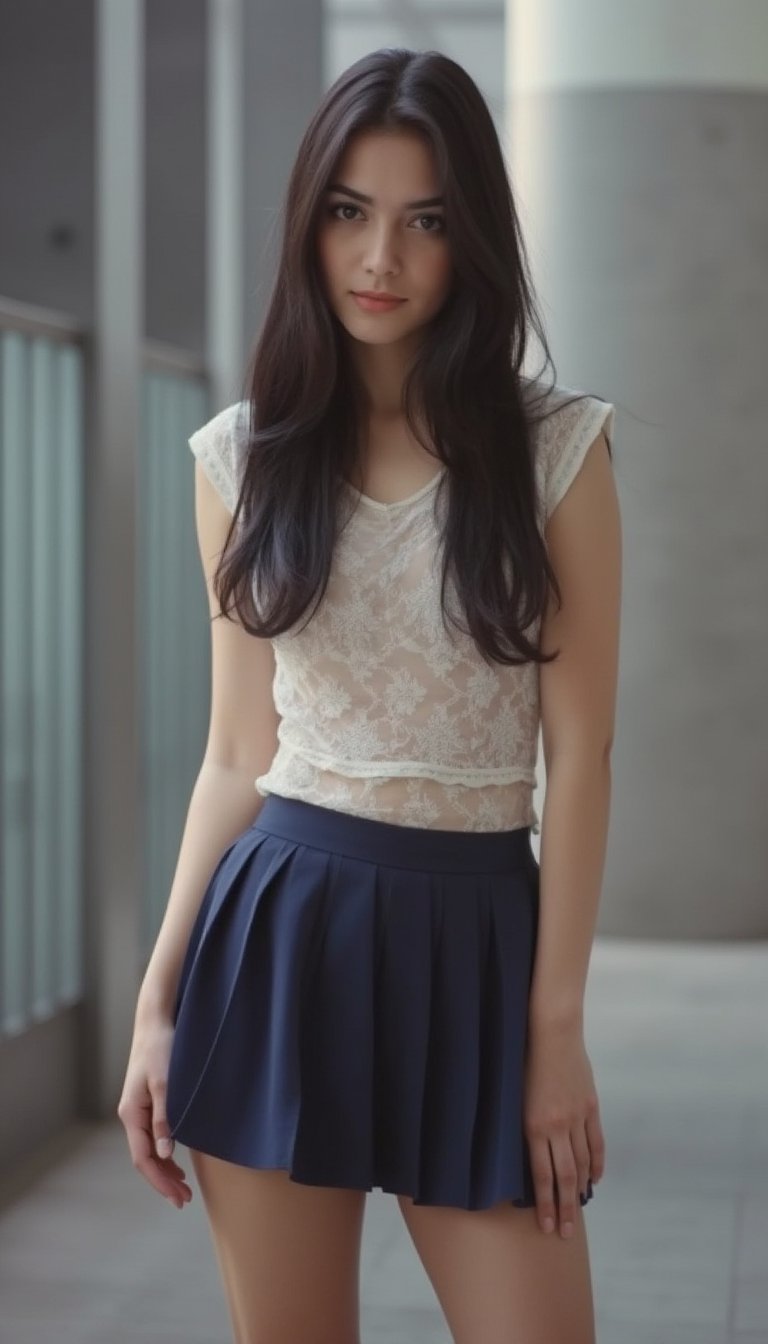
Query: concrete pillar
[112,811]
[265,77]
[225,222]
[637,136]
[283,83]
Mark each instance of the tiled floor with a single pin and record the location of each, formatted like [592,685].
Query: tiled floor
[678,1038]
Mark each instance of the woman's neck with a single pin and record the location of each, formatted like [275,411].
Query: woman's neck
[382,370]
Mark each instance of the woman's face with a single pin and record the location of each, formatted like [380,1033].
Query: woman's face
[393,242]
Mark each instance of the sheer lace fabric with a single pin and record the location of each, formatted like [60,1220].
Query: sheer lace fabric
[384,712]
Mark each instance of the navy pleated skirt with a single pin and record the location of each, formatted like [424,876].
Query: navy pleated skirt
[352,1007]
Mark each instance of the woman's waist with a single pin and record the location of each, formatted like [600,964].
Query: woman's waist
[398,840]
[424,800]
[468,767]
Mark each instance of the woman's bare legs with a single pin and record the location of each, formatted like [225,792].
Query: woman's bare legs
[499,1279]
[288,1254]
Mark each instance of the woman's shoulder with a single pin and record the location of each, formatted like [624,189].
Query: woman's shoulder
[556,407]
[226,430]
[564,422]
[220,446]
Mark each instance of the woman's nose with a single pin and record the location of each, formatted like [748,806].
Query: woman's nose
[381,252]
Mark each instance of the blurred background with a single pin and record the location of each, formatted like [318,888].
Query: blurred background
[144,150]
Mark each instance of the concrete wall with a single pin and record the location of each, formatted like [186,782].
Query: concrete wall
[639,157]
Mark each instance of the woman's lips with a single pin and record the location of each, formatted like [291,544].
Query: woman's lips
[382,305]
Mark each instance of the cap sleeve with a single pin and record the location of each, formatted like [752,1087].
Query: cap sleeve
[220,447]
[562,442]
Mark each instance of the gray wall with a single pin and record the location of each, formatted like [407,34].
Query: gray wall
[47,162]
[46,154]
[175,166]
[642,168]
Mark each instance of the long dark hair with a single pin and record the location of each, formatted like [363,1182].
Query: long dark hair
[465,385]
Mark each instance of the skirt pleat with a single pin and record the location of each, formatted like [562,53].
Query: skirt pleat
[352,1007]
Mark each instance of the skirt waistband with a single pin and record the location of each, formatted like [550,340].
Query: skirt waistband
[393,845]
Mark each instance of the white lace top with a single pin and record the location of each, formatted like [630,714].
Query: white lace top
[382,713]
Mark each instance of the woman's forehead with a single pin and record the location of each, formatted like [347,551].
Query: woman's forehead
[389,154]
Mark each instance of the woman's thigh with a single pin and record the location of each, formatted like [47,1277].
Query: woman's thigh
[288,1254]
[499,1279]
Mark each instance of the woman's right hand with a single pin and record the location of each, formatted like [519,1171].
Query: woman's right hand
[142,1109]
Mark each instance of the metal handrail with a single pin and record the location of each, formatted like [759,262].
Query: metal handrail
[35,321]
[160,357]
[32,320]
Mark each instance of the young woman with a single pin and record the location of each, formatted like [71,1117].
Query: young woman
[364,978]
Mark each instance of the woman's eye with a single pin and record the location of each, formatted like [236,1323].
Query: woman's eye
[345,205]
[437,219]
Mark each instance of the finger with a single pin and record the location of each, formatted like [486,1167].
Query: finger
[543,1181]
[171,1184]
[144,1160]
[596,1141]
[168,1164]
[162,1138]
[565,1174]
[170,1168]
[161,1130]
[582,1157]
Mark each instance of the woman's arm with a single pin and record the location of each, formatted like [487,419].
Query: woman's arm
[578,701]
[223,803]
[242,740]
[578,696]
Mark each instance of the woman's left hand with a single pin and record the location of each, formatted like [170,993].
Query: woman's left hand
[562,1122]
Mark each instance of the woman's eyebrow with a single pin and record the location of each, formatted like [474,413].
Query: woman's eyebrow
[368,200]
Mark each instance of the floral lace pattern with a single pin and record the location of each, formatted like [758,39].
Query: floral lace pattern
[384,712]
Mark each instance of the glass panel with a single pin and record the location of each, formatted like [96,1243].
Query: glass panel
[43,616]
[15,658]
[175,673]
[41,612]
[70,435]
